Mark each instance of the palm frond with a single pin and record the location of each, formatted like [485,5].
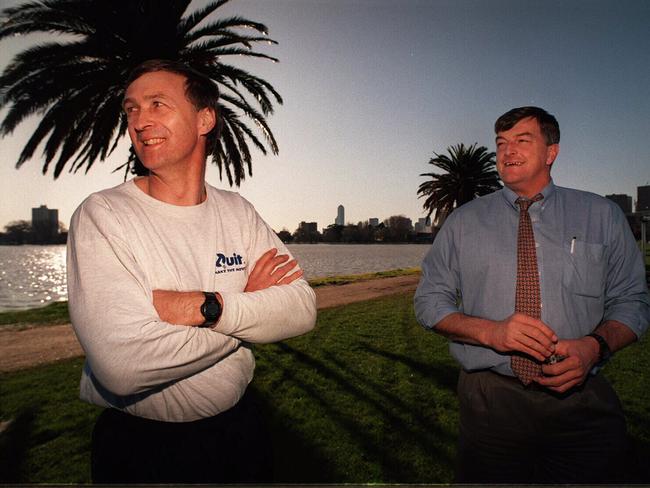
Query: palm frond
[469,172]
[198,16]
[255,86]
[258,118]
[75,83]
[227,23]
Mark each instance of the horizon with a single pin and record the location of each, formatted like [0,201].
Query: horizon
[373,88]
[414,221]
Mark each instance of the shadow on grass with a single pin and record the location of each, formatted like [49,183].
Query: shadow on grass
[295,457]
[398,424]
[389,404]
[14,446]
[445,375]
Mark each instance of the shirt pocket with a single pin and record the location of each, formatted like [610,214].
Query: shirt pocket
[584,268]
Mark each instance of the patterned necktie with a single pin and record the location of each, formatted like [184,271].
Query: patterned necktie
[527,295]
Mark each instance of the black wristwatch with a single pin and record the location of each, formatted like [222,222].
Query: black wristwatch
[604,352]
[211,309]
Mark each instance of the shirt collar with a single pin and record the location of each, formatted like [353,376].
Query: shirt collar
[511,196]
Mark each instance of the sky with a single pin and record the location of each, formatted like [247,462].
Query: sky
[372,88]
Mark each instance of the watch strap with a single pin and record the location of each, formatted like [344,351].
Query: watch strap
[604,352]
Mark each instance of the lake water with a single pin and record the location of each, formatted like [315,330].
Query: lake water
[320,260]
[33,276]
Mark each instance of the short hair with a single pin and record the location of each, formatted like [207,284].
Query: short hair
[200,90]
[547,123]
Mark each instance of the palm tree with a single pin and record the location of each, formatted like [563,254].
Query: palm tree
[470,173]
[74,84]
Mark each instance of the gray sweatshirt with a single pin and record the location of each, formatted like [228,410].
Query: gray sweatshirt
[122,245]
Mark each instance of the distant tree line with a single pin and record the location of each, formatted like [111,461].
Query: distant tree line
[21,232]
[394,229]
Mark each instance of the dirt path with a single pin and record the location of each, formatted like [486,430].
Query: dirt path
[39,345]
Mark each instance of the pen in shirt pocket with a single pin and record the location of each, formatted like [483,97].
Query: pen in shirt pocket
[573,244]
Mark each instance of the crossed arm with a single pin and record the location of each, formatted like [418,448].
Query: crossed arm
[183,307]
[130,348]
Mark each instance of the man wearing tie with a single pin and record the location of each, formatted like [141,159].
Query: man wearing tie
[536,286]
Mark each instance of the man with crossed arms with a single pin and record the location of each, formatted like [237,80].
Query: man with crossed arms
[559,421]
[169,281]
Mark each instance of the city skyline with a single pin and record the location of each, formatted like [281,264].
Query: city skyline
[391,83]
[628,205]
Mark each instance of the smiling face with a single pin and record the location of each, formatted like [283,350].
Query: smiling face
[165,128]
[524,159]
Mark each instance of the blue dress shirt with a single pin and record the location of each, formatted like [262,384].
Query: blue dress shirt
[590,266]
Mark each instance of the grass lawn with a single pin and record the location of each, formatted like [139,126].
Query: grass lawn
[54,313]
[345,279]
[369,396]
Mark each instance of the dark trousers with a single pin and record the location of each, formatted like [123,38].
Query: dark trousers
[232,447]
[515,434]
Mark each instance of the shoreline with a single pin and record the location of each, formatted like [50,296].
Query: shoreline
[27,345]
[335,280]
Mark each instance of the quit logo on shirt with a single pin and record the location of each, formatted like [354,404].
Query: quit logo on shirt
[229,263]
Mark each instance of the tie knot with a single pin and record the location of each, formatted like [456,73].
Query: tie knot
[525,203]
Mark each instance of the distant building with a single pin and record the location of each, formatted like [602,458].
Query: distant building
[643,199]
[636,220]
[423,230]
[340,216]
[423,225]
[307,232]
[45,223]
[623,201]
[308,227]
[373,221]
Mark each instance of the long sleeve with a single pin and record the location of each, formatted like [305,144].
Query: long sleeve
[437,293]
[626,293]
[129,349]
[272,314]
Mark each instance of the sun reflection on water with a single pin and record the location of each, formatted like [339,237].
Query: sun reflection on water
[31,276]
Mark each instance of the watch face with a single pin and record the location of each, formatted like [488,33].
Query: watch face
[212,310]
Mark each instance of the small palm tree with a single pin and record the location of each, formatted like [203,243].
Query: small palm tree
[470,173]
[76,87]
